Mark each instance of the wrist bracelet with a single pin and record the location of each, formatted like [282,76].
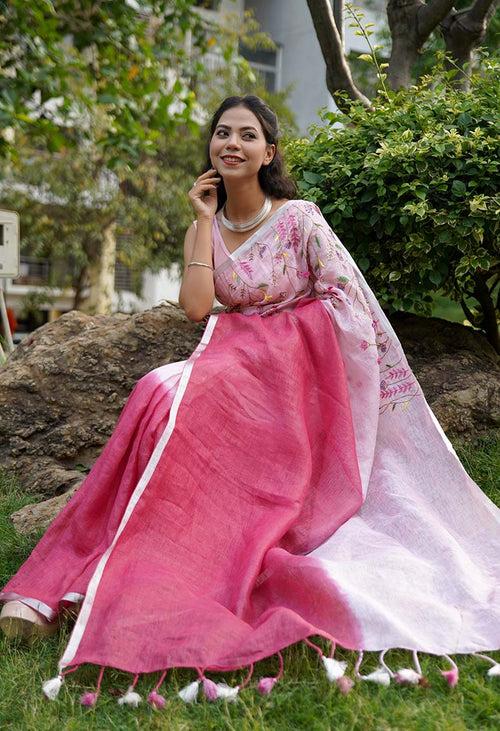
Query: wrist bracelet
[200,263]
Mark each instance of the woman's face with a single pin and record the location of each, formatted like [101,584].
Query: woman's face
[238,134]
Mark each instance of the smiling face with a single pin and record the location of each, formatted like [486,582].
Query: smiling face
[238,147]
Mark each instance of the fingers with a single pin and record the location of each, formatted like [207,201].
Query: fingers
[205,186]
[210,171]
[209,175]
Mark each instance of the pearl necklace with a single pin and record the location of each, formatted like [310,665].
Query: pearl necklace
[247,225]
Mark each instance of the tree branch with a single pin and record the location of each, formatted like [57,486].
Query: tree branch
[430,15]
[463,31]
[480,10]
[468,313]
[338,15]
[338,73]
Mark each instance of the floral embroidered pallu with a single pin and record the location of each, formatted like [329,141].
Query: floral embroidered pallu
[287,480]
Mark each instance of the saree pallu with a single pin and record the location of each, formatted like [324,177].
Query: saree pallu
[287,480]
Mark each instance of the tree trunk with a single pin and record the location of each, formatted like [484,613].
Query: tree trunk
[411,22]
[489,323]
[463,31]
[78,286]
[338,73]
[101,273]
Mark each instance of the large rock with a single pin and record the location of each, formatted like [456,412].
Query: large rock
[458,370]
[62,389]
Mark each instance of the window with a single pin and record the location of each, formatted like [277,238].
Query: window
[123,277]
[267,63]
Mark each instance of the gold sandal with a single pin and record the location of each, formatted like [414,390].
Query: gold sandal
[18,620]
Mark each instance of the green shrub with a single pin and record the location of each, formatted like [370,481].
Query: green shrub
[411,188]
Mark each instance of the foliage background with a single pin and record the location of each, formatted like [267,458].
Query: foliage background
[411,188]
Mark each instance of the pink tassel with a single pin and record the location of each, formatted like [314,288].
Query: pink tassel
[210,689]
[344,684]
[451,676]
[156,700]
[407,676]
[88,699]
[266,685]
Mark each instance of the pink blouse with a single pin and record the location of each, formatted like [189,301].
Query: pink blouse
[272,269]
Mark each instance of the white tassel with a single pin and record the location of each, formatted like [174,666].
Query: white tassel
[494,671]
[225,691]
[407,676]
[131,698]
[334,668]
[379,676]
[190,692]
[384,664]
[52,687]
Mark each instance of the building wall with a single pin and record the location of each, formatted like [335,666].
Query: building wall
[289,24]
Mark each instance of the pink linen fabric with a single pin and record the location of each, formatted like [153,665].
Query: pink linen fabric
[288,479]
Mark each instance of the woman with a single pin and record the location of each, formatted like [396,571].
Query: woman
[287,480]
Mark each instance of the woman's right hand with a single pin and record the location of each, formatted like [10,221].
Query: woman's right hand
[203,194]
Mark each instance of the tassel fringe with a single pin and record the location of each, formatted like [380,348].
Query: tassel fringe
[190,692]
[380,675]
[154,698]
[265,685]
[494,671]
[335,672]
[131,698]
[89,698]
[52,687]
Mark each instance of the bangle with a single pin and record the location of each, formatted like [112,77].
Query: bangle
[200,263]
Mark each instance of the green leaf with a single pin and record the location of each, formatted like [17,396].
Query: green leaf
[311,177]
[458,187]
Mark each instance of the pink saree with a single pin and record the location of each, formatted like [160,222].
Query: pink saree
[286,480]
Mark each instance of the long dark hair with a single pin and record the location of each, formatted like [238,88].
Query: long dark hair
[272,178]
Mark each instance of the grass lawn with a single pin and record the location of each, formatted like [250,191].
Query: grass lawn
[303,699]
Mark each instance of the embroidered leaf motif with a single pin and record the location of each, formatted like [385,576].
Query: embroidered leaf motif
[246,268]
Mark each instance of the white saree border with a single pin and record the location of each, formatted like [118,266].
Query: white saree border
[84,614]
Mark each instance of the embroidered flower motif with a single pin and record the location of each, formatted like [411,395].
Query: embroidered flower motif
[364,345]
